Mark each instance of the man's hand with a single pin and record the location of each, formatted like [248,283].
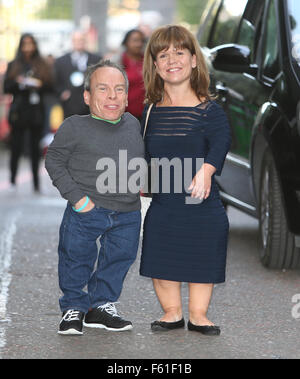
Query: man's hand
[66,94]
[90,205]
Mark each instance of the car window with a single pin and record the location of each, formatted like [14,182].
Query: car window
[294,17]
[206,23]
[246,34]
[270,44]
[228,20]
[250,27]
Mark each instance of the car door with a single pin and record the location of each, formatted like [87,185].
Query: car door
[241,95]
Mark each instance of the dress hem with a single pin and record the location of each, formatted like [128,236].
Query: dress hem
[183,280]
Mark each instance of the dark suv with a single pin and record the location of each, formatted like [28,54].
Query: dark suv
[253,53]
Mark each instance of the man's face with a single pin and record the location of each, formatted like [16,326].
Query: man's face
[78,41]
[107,97]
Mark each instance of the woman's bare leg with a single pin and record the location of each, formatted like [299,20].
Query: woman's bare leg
[169,296]
[199,299]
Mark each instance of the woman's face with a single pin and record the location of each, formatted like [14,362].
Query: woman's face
[28,47]
[135,43]
[175,65]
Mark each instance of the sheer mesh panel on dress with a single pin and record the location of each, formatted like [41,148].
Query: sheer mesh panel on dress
[176,121]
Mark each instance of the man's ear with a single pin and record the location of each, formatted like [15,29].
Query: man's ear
[86,97]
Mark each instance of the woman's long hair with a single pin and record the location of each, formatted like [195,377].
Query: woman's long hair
[181,38]
[39,65]
[19,54]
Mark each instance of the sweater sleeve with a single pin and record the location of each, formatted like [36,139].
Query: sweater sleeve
[56,163]
[218,136]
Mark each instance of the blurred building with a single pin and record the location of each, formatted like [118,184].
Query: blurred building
[53,36]
[51,21]
[91,15]
[166,8]
[14,14]
[124,15]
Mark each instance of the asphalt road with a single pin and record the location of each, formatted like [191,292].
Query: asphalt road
[254,307]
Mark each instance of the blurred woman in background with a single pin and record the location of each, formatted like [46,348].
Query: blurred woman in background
[132,60]
[27,78]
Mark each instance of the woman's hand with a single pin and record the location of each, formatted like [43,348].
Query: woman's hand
[29,82]
[201,183]
[90,205]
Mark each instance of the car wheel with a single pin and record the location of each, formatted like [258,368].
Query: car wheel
[278,247]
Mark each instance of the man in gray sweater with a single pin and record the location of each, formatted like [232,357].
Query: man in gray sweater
[77,162]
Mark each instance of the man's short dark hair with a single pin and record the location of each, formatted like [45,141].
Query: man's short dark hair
[103,63]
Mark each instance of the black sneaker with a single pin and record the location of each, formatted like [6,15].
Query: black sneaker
[71,322]
[106,316]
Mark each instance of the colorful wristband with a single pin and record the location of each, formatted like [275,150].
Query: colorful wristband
[84,205]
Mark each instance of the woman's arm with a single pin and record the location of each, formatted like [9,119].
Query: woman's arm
[218,137]
[10,84]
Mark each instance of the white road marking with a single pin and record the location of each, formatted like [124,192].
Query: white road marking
[6,244]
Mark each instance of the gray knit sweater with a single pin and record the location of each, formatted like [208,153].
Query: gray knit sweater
[72,160]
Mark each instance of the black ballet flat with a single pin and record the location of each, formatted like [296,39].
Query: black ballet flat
[163,326]
[208,330]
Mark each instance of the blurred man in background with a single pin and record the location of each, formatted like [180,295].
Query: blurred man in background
[69,76]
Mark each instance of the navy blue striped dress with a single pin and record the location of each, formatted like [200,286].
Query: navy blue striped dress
[184,240]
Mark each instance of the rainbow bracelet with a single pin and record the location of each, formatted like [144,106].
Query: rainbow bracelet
[84,205]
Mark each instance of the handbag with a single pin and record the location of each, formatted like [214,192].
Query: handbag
[147,194]
[147,118]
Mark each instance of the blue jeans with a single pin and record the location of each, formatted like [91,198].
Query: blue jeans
[89,277]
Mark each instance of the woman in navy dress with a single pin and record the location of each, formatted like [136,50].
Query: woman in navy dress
[185,232]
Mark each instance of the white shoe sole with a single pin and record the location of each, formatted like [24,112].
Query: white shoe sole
[70,332]
[101,326]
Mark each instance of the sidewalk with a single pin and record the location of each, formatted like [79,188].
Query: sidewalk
[24,170]
[4,154]
[4,165]
[253,307]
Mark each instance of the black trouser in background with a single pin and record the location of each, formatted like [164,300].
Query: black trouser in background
[17,138]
